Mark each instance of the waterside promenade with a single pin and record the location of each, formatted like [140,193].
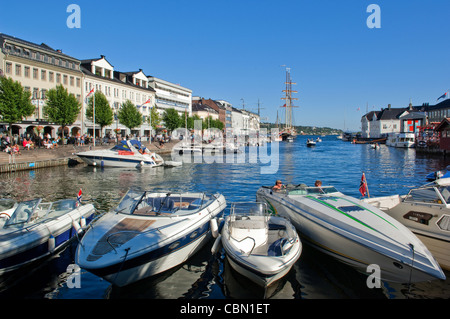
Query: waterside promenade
[62,155]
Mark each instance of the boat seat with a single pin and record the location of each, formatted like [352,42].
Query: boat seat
[249,234]
[279,247]
[195,204]
[167,204]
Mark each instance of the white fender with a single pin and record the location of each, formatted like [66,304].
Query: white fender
[216,246]
[76,226]
[214,228]
[51,243]
[83,222]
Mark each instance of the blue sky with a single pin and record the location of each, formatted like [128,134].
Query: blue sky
[234,50]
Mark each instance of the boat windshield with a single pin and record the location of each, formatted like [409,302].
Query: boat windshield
[34,211]
[425,195]
[156,204]
[445,192]
[23,213]
[129,202]
[302,190]
[248,209]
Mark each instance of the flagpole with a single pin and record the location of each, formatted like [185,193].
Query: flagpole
[94,118]
[367,186]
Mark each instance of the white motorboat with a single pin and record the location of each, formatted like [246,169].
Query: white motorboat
[147,234]
[354,232]
[425,211]
[35,230]
[310,142]
[401,140]
[125,154]
[183,148]
[260,247]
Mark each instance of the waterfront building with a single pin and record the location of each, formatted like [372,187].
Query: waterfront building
[239,121]
[219,107]
[378,124]
[436,113]
[39,68]
[228,112]
[118,87]
[204,111]
[170,95]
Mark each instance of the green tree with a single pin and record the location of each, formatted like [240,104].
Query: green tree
[129,115]
[104,115]
[61,107]
[154,119]
[172,119]
[15,103]
[191,121]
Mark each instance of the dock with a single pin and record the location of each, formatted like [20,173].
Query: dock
[62,155]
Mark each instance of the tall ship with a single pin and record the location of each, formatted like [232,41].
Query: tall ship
[288,133]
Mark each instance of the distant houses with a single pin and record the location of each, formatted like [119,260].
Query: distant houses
[429,123]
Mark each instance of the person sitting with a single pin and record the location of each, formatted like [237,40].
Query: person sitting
[278,186]
[55,143]
[48,144]
[26,144]
[16,150]
[318,184]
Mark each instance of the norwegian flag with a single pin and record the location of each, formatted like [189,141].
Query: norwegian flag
[79,196]
[363,189]
[90,93]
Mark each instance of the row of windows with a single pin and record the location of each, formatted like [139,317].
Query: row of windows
[42,74]
[439,114]
[41,57]
[171,91]
[130,95]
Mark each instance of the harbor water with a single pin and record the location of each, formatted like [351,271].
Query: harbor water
[315,275]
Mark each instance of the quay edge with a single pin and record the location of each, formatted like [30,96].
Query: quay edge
[62,156]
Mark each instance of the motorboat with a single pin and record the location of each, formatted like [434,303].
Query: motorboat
[148,233]
[375,146]
[425,211]
[354,232]
[260,247]
[439,174]
[34,230]
[125,154]
[310,142]
[183,148]
[401,140]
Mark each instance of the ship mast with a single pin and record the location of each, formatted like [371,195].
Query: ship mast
[289,128]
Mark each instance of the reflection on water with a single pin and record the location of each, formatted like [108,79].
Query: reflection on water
[314,276]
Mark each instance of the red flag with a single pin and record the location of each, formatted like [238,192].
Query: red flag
[92,91]
[79,196]
[363,185]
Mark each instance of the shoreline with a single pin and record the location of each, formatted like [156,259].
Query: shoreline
[63,155]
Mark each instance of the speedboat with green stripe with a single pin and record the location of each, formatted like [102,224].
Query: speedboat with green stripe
[354,232]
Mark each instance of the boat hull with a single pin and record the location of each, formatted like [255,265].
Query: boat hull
[151,245]
[119,161]
[20,250]
[349,249]
[154,263]
[264,270]
[423,219]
